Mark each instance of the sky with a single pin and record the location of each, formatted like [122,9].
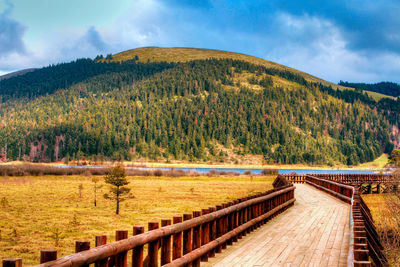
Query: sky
[350,40]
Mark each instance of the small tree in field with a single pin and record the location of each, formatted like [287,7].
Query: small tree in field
[116,178]
[95,180]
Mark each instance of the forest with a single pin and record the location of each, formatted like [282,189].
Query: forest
[91,109]
[386,88]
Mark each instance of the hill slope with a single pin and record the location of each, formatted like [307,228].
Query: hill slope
[197,110]
[387,88]
[16,73]
[184,54]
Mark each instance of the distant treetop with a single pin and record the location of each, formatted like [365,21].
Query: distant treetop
[386,88]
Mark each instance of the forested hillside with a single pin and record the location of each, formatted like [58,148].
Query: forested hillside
[387,88]
[192,111]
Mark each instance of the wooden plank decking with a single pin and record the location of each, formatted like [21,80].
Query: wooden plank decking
[315,232]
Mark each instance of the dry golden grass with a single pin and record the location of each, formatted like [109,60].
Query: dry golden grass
[385,209]
[183,54]
[378,163]
[32,208]
[242,81]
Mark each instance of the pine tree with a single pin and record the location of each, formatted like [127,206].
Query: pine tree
[118,192]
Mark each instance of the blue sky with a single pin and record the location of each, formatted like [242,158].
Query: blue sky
[354,40]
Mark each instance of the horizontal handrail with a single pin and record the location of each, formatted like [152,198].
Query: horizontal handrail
[349,178]
[331,182]
[188,258]
[113,249]
[355,178]
[345,198]
[342,191]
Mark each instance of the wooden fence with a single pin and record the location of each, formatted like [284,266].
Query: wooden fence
[295,178]
[360,178]
[365,248]
[347,178]
[185,240]
[366,183]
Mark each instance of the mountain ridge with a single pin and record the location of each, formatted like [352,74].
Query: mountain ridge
[184,54]
[16,73]
[205,110]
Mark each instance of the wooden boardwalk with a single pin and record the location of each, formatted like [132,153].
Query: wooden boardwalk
[315,232]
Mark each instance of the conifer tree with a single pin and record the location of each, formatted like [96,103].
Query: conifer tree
[117,181]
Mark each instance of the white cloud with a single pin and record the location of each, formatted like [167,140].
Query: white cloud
[316,46]
[309,43]
[139,26]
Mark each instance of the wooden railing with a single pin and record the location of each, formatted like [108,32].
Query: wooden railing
[366,183]
[294,178]
[342,191]
[365,247]
[189,240]
[359,178]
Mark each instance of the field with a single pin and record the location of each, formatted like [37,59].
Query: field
[35,210]
[385,209]
[378,163]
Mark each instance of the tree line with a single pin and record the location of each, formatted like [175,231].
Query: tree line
[186,111]
[386,88]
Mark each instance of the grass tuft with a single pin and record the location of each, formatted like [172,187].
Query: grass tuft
[385,209]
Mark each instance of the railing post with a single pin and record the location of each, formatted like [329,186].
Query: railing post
[153,247]
[177,240]
[165,245]
[196,238]
[47,255]
[121,259]
[224,225]
[213,231]
[235,220]
[99,241]
[249,217]
[229,219]
[12,262]
[219,229]
[137,253]
[252,216]
[82,246]
[244,216]
[205,234]
[187,237]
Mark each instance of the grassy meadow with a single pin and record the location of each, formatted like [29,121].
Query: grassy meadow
[39,211]
[385,209]
[379,163]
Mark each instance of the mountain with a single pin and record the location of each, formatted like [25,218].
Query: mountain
[191,105]
[182,54]
[16,73]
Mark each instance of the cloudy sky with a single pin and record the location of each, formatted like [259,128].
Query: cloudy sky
[354,40]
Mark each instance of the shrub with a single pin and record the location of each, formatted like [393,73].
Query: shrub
[269,172]
[247,172]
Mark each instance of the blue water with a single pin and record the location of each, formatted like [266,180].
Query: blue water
[281,171]
[254,171]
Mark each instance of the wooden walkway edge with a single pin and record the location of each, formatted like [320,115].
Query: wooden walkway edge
[315,232]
